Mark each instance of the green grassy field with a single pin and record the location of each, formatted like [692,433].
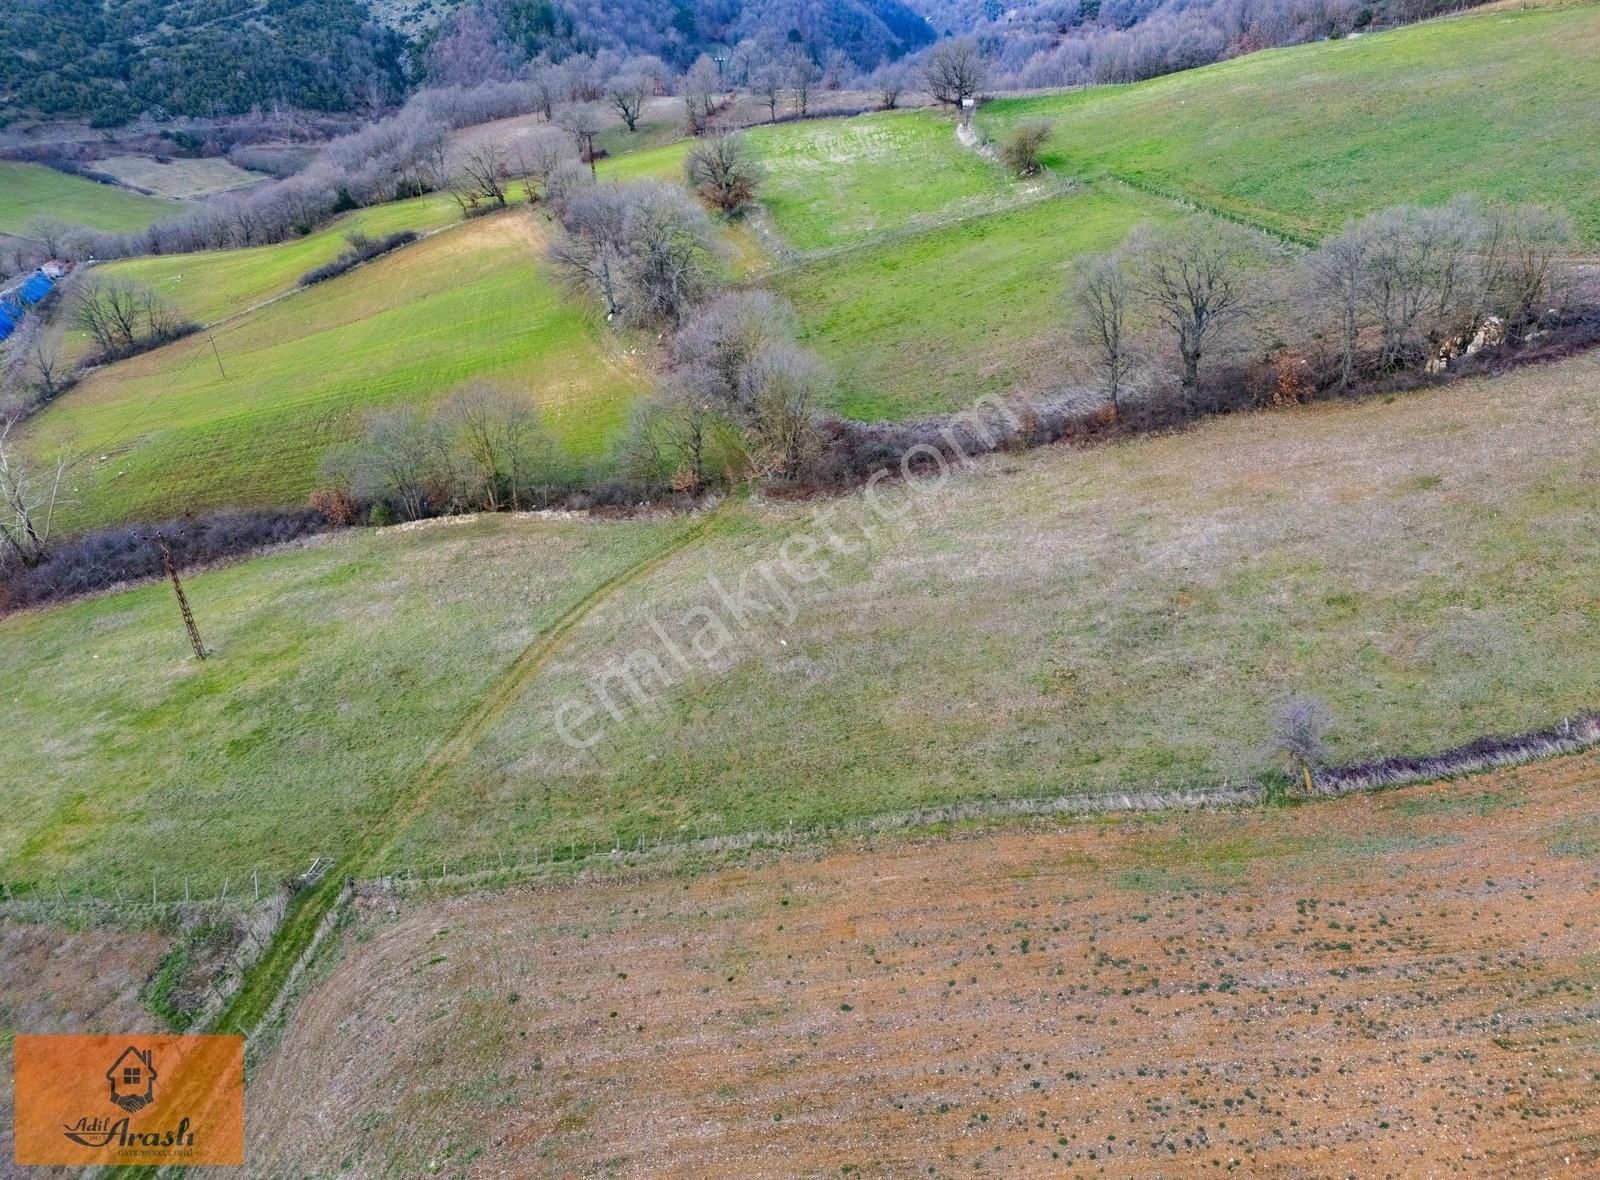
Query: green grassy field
[169,431]
[335,668]
[1089,621]
[30,190]
[933,321]
[1056,622]
[1501,104]
[209,286]
[838,182]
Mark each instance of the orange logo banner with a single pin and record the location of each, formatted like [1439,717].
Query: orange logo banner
[129,1099]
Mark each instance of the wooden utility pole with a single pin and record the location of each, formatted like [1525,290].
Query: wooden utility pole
[217,355]
[183,602]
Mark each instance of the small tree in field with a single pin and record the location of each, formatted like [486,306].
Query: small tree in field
[701,91]
[1020,151]
[767,83]
[584,123]
[28,501]
[803,74]
[723,171]
[1300,733]
[891,84]
[479,177]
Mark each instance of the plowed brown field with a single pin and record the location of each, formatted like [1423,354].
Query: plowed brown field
[1392,985]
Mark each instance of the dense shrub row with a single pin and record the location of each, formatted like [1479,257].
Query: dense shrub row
[128,553]
[361,249]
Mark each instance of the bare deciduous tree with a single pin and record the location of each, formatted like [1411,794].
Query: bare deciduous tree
[956,71]
[1194,279]
[508,457]
[124,317]
[724,171]
[393,461]
[50,232]
[671,253]
[647,250]
[1102,296]
[701,91]
[28,502]
[480,177]
[767,85]
[802,75]
[720,341]
[536,160]
[673,433]
[589,254]
[1300,732]
[783,384]
[584,123]
[891,84]
[625,94]
[1529,241]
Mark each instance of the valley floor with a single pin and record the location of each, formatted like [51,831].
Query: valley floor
[1399,984]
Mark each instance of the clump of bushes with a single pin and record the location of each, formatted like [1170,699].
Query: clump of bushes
[360,249]
[1020,151]
[125,318]
[724,172]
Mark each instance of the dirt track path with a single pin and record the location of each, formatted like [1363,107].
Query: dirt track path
[267,982]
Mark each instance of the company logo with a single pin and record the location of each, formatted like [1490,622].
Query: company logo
[180,1100]
[133,1079]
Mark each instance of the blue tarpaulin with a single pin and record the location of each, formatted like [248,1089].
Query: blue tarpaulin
[34,288]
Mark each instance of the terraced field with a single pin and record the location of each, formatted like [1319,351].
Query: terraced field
[30,190]
[188,428]
[179,178]
[1502,104]
[933,321]
[1078,622]
[841,182]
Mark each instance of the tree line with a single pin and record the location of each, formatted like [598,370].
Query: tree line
[1405,290]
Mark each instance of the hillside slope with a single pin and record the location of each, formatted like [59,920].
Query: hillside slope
[32,190]
[1055,623]
[244,415]
[1503,104]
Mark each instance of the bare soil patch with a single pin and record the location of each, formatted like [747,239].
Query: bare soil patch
[57,979]
[1392,985]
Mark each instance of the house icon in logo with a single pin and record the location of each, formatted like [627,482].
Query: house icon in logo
[133,1080]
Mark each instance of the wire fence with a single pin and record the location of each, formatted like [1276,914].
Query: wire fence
[75,901]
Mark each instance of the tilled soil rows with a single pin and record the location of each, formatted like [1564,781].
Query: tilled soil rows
[1399,984]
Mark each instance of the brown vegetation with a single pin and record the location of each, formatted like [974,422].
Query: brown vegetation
[1379,985]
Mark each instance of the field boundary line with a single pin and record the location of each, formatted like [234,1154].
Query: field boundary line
[1573,735]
